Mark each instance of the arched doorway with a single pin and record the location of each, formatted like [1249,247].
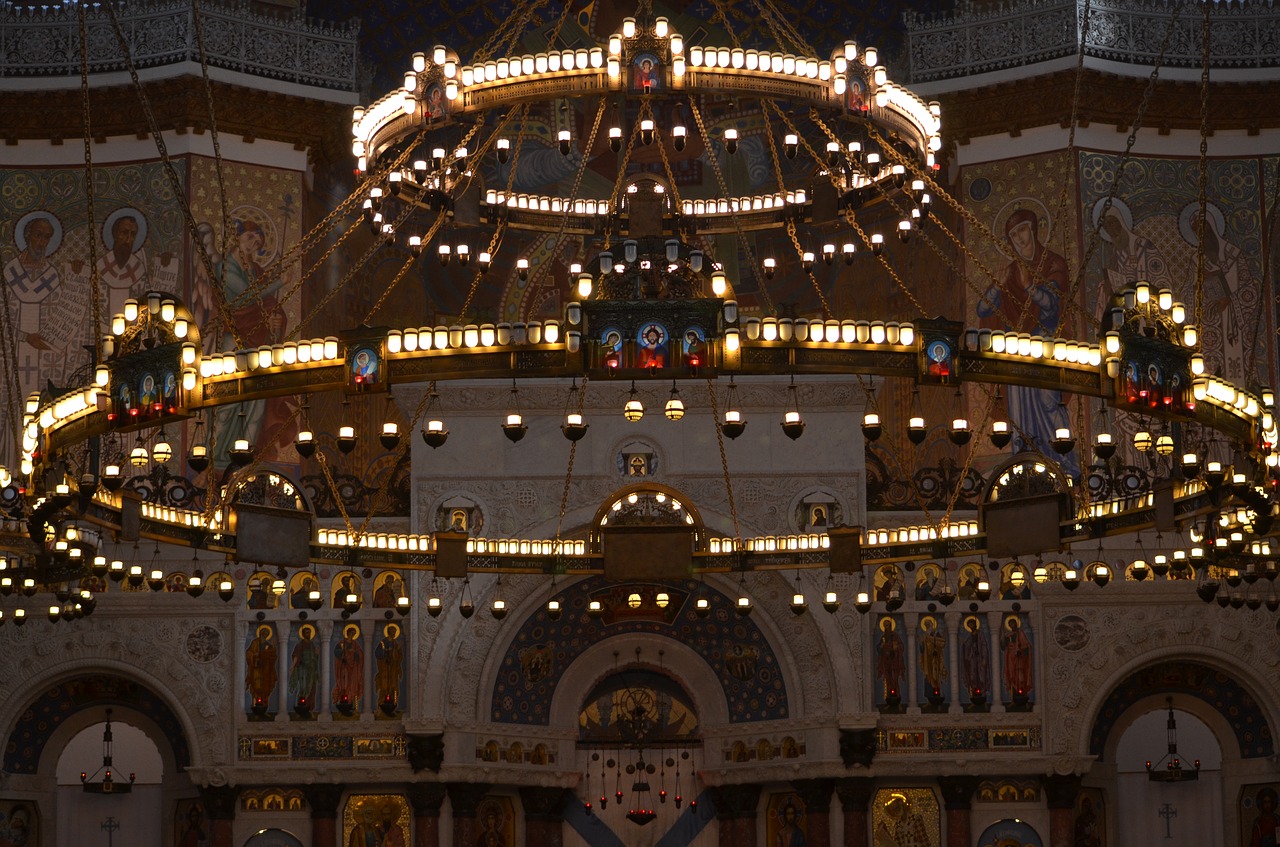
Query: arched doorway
[131,807]
[1217,720]
[1187,812]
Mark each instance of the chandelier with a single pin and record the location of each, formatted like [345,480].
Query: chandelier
[487,165]
[107,784]
[1169,767]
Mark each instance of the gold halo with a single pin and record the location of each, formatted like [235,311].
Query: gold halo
[304,629]
[265,631]
[928,623]
[391,631]
[351,631]
[887,624]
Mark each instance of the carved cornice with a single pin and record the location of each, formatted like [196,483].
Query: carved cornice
[1111,100]
[179,106]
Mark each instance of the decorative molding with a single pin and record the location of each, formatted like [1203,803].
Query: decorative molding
[978,38]
[1138,635]
[45,41]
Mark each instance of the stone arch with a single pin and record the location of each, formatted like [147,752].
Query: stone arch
[1232,711]
[526,675]
[68,706]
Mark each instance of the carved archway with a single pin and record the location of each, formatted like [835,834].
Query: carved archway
[63,702]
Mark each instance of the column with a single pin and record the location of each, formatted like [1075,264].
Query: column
[368,629]
[957,799]
[220,809]
[816,794]
[736,814]
[952,623]
[543,816]
[994,620]
[324,692]
[282,673]
[1060,791]
[855,799]
[323,800]
[464,797]
[426,798]
[911,623]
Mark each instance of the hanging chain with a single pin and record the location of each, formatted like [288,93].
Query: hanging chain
[94,280]
[724,466]
[175,181]
[1096,230]
[743,241]
[568,473]
[1203,180]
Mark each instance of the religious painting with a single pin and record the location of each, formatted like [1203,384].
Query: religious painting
[929,582]
[343,584]
[967,583]
[636,459]
[45,242]
[653,341]
[348,671]
[905,817]
[434,103]
[694,346]
[1017,661]
[253,295]
[300,588]
[260,594]
[460,514]
[611,347]
[818,511]
[889,583]
[856,93]
[190,825]
[975,663]
[364,364]
[646,73]
[388,674]
[389,589]
[495,822]
[1010,833]
[891,662]
[261,670]
[1090,822]
[1009,590]
[1259,824]
[304,669]
[933,682]
[377,819]
[786,824]
[1018,280]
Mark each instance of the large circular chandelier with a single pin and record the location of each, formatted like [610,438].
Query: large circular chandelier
[462,153]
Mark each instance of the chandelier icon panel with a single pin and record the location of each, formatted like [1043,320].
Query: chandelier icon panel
[449,162]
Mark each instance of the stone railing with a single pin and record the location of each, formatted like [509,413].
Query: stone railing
[44,41]
[976,40]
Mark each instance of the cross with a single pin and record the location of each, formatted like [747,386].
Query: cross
[28,370]
[110,825]
[1168,812]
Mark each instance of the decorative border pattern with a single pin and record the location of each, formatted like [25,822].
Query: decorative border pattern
[45,41]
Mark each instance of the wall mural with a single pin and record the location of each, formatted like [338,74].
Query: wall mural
[905,817]
[376,819]
[44,250]
[1021,280]
[1259,826]
[785,821]
[1090,823]
[1149,232]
